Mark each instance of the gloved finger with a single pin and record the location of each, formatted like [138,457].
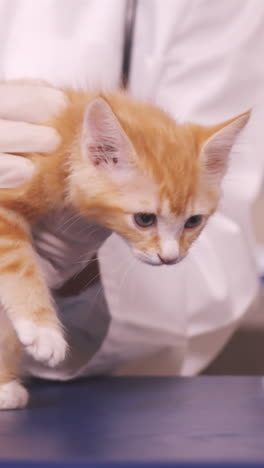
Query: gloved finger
[20,137]
[14,170]
[30,103]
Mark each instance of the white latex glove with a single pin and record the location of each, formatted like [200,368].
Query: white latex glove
[61,239]
[21,107]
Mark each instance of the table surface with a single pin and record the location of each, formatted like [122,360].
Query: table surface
[137,420]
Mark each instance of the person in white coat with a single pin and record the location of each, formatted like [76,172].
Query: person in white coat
[200,61]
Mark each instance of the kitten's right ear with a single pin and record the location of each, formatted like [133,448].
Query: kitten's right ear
[104,141]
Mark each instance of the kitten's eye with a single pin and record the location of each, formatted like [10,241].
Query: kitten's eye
[145,220]
[193,221]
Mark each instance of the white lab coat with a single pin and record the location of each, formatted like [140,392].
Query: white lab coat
[202,61]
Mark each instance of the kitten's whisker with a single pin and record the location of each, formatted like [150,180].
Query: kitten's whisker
[85,262]
[131,264]
[91,280]
[83,229]
[101,287]
[71,218]
[85,257]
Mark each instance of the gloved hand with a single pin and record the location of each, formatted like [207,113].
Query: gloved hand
[21,107]
[64,242]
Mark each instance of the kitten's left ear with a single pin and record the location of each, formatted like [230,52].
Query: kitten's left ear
[104,141]
[216,150]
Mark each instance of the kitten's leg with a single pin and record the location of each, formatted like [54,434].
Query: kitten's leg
[12,393]
[24,293]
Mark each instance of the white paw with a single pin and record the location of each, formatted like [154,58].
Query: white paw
[45,344]
[13,395]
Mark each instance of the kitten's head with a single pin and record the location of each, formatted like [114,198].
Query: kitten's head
[152,181]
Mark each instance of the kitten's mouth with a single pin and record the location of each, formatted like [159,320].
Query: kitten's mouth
[157,260]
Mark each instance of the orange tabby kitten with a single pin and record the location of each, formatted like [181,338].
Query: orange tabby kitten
[125,165]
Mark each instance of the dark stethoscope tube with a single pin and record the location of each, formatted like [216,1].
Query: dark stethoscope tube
[128,40]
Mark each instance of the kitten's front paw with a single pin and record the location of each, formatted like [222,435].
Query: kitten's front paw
[13,395]
[45,344]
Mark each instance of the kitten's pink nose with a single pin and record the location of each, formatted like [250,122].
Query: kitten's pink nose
[167,260]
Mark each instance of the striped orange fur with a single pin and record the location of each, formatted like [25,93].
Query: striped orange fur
[118,158]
